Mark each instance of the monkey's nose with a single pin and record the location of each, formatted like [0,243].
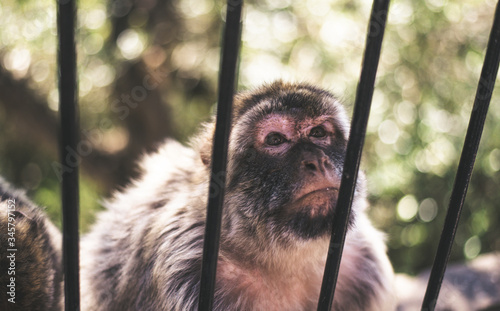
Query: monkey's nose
[317,164]
[310,165]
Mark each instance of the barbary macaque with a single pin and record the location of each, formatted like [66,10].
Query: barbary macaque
[285,159]
[286,154]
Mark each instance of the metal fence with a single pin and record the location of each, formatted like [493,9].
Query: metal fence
[227,79]
[68,108]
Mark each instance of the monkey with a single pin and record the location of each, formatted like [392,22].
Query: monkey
[286,153]
[30,255]
[285,158]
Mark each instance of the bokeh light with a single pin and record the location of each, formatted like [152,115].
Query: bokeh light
[472,247]
[130,44]
[427,210]
[407,208]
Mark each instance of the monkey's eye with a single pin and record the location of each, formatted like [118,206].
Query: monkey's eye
[318,132]
[275,139]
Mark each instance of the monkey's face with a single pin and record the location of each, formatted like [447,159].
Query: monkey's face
[287,148]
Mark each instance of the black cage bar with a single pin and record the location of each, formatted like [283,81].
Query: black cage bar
[227,74]
[68,109]
[466,164]
[359,122]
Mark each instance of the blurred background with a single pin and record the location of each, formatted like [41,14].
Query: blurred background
[148,70]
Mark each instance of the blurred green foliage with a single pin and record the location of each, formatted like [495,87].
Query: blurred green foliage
[163,56]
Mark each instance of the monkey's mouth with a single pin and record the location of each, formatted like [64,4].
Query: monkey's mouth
[325,190]
[316,202]
[311,211]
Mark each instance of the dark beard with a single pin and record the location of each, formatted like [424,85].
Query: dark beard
[307,226]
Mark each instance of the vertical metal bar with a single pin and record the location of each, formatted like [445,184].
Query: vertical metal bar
[361,113]
[68,108]
[466,164]
[227,73]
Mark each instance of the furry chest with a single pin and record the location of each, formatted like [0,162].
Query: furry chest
[254,289]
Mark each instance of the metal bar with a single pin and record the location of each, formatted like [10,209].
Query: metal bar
[466,164]
[68,107]
[361,113]
[227,74]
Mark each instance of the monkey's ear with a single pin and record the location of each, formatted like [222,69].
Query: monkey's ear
[203,143]
[206,153]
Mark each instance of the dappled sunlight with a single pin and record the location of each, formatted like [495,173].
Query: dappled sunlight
[472,247]
[427,210]
[18,61]
[407,208]
[494,160]
[131,44]
[195,8]
[94,18]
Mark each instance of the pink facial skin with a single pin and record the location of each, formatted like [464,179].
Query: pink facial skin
[319,189]
[292,131]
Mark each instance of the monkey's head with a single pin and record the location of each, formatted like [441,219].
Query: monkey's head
[286,155]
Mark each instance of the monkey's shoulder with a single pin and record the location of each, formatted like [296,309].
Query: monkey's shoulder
[167,180]
[171,164]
